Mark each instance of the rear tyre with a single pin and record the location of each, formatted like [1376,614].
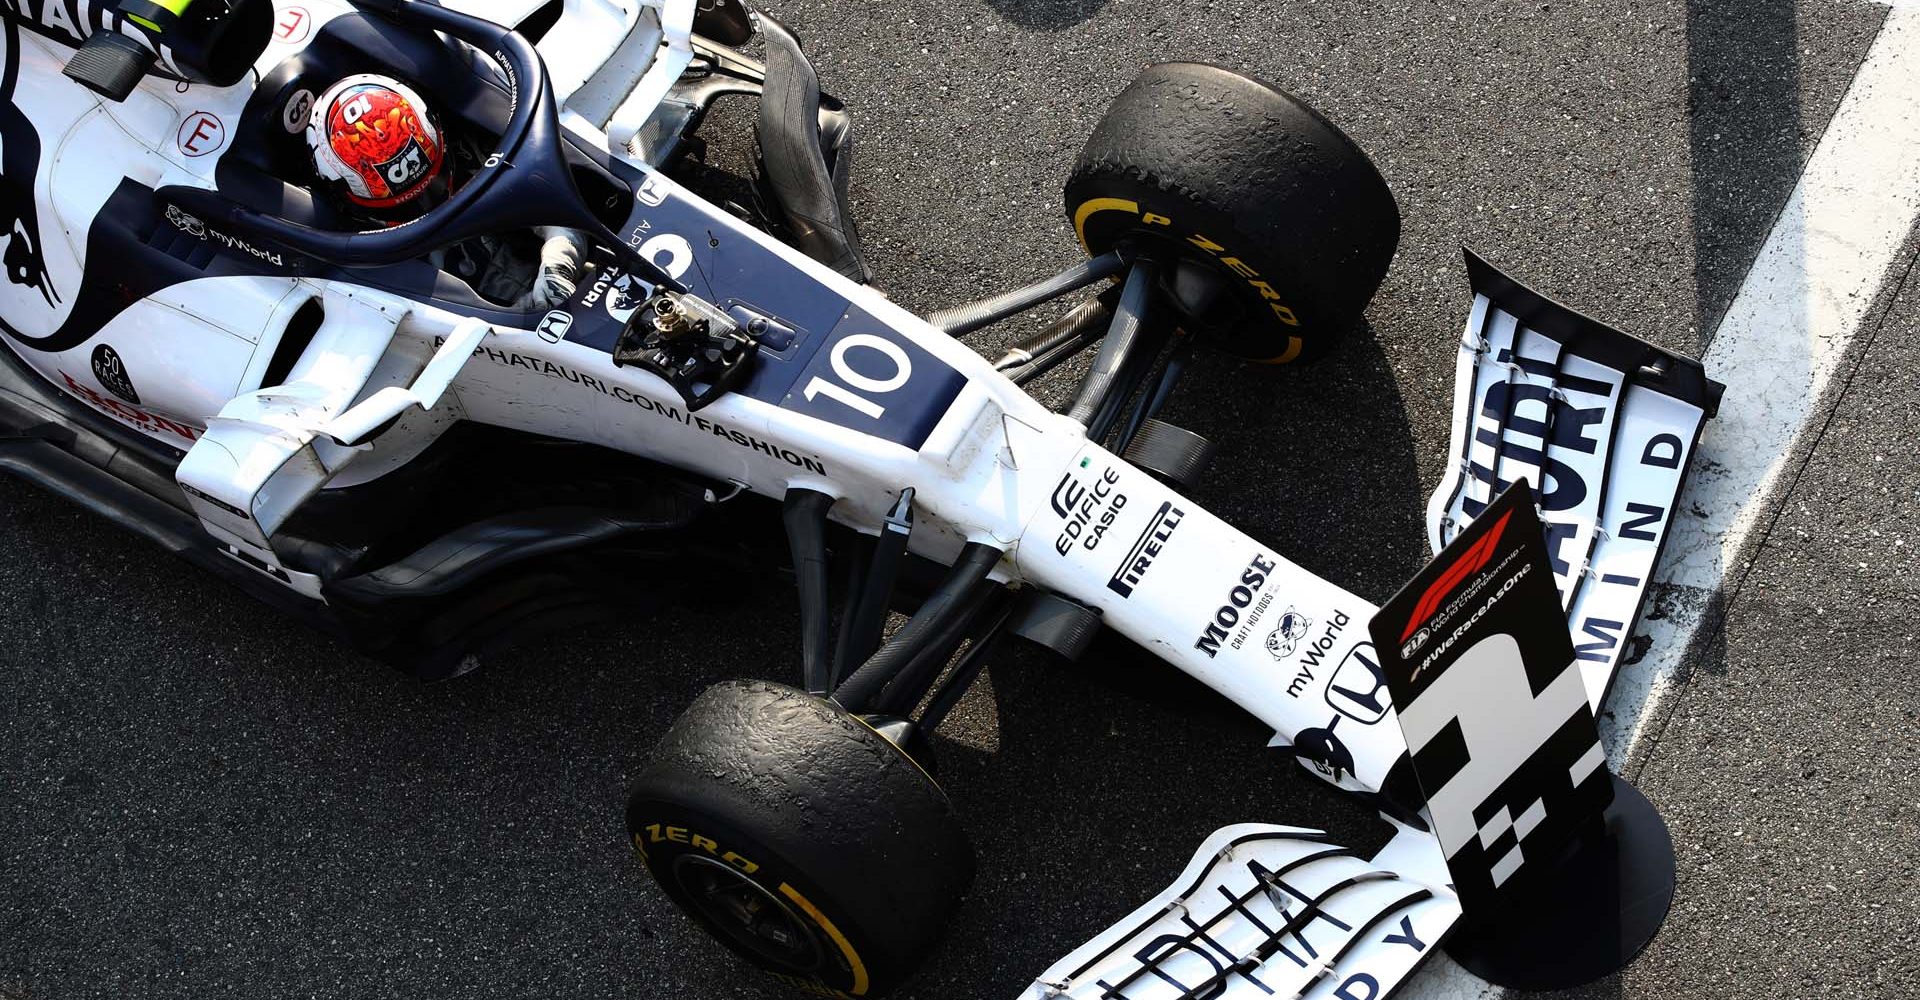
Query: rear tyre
[800,838]
[1279,228]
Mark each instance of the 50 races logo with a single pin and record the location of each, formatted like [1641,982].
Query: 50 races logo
[1087,511]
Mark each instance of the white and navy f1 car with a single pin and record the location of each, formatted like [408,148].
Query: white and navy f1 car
[204,348]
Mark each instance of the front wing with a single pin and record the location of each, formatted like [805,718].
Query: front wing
[1269,911]
[1604,426]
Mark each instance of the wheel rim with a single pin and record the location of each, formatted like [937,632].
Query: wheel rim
[746,914]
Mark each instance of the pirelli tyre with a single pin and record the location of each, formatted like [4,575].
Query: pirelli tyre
[1280,226]
[800,838]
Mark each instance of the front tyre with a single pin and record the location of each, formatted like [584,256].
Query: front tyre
[800,838]
[1276,226]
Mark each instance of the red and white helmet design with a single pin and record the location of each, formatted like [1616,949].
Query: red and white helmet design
[375,135]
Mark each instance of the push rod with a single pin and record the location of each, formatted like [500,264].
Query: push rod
[954,598]
[1123,336]
[867,610]
[961,320]
[805,514]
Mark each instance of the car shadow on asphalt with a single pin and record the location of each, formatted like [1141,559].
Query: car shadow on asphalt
[1315,460]
[1743,127]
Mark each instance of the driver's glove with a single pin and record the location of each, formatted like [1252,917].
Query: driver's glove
[561,256]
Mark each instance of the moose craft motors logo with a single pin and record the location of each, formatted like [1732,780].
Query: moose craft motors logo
[1413,645]
[1227,616]
[1086,511]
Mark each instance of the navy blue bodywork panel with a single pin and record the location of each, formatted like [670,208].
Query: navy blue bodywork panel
[860,357]
[825,358]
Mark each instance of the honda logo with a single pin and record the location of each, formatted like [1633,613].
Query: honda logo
[554,326]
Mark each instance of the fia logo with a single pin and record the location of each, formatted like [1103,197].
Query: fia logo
[1413,645]
[553,326]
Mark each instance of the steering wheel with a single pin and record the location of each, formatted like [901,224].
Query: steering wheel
[524,183]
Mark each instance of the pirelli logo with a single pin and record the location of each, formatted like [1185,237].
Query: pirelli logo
[1145,550]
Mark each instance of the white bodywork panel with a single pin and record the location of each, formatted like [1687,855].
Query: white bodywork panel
[1206,597]
[266,452]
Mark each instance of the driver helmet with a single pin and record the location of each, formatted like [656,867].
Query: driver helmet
[375,137]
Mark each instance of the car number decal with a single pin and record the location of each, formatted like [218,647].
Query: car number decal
[833,361]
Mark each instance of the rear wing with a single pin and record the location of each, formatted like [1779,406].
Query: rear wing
[1602,423]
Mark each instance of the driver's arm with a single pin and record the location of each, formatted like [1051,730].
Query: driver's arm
[561,255]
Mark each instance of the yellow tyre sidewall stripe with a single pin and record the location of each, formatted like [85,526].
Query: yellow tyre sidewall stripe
[839,939]
[1286,357]
[1094,206]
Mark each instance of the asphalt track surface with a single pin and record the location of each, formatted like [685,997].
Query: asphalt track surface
[201,799]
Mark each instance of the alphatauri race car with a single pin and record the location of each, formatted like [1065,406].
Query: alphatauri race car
[220,348]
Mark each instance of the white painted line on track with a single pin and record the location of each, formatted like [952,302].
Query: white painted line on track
[1805,298]
[1778,347]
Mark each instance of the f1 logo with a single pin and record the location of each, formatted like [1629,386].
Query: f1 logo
[554,326]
